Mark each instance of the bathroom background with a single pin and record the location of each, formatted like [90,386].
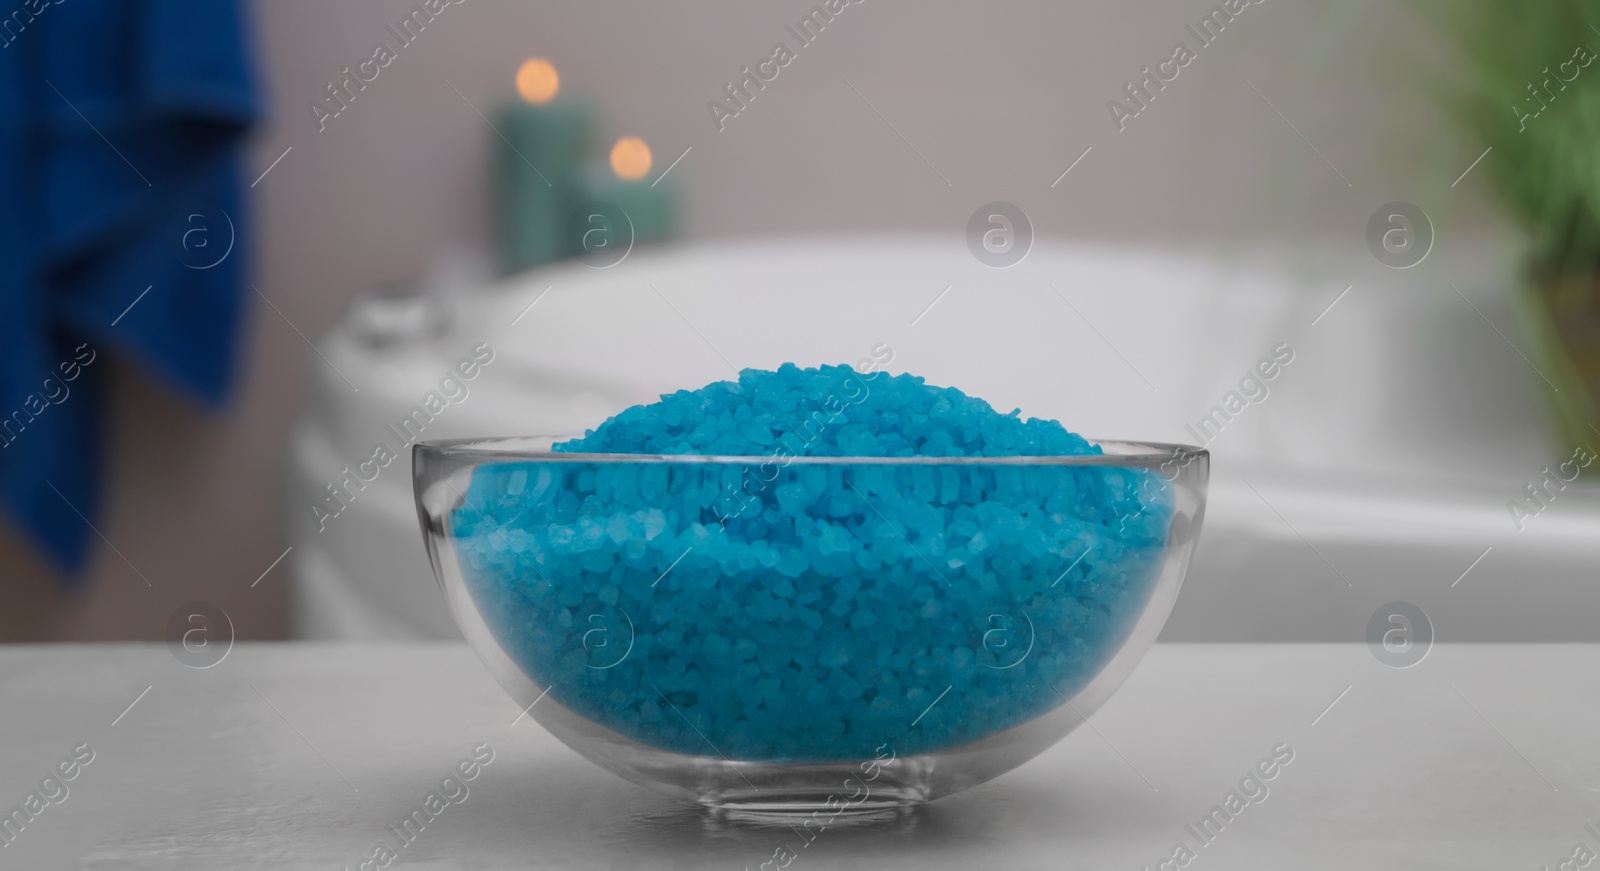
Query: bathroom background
[1414,422]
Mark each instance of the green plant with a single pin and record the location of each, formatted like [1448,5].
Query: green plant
[1527,86]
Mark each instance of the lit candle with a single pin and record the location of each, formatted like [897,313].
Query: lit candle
[647,209]
[537,167]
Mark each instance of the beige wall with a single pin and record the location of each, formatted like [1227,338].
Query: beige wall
[998,97]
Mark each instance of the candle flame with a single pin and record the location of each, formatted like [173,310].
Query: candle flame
[537,81]
[630,158]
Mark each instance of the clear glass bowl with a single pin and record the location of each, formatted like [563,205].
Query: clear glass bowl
[809,635]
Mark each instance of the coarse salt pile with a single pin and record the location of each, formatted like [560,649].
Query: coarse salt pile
[804,604]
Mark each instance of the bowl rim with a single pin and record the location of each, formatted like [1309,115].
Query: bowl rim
[1118,452]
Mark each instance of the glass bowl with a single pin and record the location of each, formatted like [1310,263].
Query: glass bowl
[808,635]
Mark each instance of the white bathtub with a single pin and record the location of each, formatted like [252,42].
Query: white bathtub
[1376,468]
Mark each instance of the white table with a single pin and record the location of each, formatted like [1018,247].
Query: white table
[1479,757]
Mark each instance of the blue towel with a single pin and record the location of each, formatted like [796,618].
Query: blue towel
[122,231]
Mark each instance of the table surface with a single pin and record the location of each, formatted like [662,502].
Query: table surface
[300,755]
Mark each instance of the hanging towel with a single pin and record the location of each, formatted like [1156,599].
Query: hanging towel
[122,231]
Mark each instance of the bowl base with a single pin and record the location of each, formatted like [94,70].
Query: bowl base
[827,793]
[826,805]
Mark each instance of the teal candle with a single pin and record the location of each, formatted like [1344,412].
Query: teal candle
[537,168]
[625,186]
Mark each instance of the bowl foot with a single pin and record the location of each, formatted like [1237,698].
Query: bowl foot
[820,804]
[821,794]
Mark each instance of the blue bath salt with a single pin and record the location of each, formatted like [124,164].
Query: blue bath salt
[778,609]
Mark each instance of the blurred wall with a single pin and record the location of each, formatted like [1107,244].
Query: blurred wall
[978,102]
